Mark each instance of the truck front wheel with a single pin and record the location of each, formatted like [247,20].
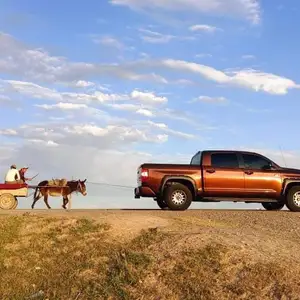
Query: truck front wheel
[177,196]
[293,199]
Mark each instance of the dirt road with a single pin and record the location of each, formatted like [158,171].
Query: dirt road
[272,233]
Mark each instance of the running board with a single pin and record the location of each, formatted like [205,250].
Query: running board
[230,199]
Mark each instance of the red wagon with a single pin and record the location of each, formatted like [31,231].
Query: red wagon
[9,194]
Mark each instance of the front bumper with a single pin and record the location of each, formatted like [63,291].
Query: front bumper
[143,191]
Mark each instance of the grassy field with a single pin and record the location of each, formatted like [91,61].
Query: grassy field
[70,257]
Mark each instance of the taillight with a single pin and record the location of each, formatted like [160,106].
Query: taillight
[144,174]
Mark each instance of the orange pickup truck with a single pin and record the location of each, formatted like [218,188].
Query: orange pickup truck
[220,175]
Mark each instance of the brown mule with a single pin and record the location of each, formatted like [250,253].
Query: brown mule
[56,188]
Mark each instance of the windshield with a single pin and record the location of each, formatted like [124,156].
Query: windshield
[196,159]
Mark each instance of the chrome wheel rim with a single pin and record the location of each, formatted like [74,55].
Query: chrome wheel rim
[178,197]
[296,199]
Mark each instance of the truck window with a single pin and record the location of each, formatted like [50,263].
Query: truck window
[196,159]
[224,160]
[253,161]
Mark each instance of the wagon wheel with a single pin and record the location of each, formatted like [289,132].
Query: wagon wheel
[16,203]
[8,201]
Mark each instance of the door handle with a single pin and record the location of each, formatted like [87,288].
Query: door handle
[248,172]
[210,170]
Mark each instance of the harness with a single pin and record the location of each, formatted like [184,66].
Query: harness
[79,187]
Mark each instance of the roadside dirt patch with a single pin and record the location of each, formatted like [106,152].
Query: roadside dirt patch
[230,255]
[124,227]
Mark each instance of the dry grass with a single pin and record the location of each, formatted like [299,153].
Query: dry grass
[213,272]
[70,258]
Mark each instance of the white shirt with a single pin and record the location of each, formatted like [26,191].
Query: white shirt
[10,176]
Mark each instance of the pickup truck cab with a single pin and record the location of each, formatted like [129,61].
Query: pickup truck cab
[220,175]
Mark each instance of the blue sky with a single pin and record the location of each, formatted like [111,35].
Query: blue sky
[92,89]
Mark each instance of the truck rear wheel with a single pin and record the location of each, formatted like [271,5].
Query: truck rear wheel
[177,196]
[293,199]
[161,203]
[272,205]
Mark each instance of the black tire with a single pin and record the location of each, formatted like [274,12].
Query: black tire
[161,203]
[290,203]
[181,189]
[272,205]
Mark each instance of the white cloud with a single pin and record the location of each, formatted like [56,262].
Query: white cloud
[145,112]
[108,41]
[206,71]
[83,83]
[208,99]
[92,112]
[260,81]
[62,106]
[16,58]
[47,143]
[138,109]
[31,90]
[95,97]
[201,55]
[248,78]
[88,84]
[248,56]
[104,87]
[124,106]
[148,97]
[8,132]
[87,134]
[246,9]
[158,125]
[165,128]
[119,134]
[144,55]
[204,28]
[129,75]
[65,100]
[149,111]
[183,82]
[143,103]
[154,37]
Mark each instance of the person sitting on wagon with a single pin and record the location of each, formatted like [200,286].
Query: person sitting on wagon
[22,174]
[13,176]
